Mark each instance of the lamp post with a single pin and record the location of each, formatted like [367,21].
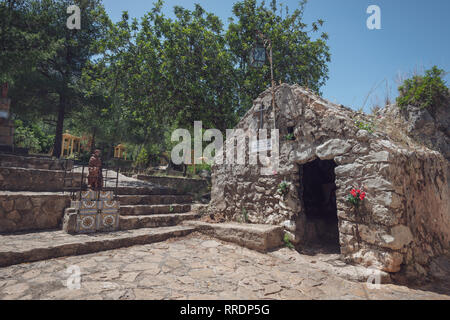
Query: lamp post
[258,58]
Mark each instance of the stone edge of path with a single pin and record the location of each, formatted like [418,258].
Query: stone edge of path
[259,237]
[83,245]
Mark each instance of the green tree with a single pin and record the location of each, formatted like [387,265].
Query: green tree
[297,58]
[55,53]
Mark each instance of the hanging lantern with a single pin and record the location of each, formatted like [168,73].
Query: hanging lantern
[258,56]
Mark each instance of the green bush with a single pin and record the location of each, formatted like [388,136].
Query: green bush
[24,137]
[428,91]
[32,137]
[283,188]
[287,242]
[142,159]
[368,126]
[198,168]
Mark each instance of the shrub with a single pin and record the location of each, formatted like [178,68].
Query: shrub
[287,242]
[244,215]
[283,188]
[142,159]
[24,137]
[368,126]
[428,91]
[289,137]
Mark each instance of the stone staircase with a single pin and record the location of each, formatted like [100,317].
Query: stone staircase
[153,211]
[31,202]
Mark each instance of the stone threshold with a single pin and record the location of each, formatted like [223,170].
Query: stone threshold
[30,247]
[259,237]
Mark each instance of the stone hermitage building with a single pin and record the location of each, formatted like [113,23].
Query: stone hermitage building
[402,224]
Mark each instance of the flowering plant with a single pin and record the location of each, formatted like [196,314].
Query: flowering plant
[356,196]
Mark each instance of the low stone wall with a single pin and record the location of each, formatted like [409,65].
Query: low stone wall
[33,162]
[31,212]
[22,179]
[183,185]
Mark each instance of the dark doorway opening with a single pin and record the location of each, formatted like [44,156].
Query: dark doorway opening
[319,199]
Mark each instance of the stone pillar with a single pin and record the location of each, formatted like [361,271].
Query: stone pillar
[6,126]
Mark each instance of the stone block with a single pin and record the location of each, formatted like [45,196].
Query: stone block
[333,148]
[253,236]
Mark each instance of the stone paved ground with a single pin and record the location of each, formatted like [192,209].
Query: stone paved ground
[194,267]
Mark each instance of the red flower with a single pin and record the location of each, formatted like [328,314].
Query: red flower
[353,192]
[358,191]
[362,196]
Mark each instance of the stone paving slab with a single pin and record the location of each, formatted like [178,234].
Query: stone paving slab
[195,267]
[260,237]
[20,248]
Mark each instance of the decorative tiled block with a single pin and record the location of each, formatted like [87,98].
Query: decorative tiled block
[108,221]
[86,223]
[106,195]
[110,204]
[95,212]
[89,195]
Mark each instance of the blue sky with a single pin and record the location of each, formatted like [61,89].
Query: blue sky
[365,63]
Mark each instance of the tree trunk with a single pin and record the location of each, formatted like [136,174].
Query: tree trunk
[59,126]
[93,140]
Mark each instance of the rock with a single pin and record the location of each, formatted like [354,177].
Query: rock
[332,148]
[400,237]
[272,289]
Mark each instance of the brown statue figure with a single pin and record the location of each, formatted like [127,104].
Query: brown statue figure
[5,90]
[95,177]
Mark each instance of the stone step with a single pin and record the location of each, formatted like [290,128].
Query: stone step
[145,210]
[131,200]
[154,221]
[30,247]
[260,237]
[146,190]
[37,180]
[32,162]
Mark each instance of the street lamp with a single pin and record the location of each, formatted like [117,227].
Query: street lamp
[258,56]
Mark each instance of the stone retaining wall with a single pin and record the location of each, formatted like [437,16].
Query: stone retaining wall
[182,185]
[31,212]
[22,179]
[33,162]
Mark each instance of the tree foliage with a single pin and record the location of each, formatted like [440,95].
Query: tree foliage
[134,81]
[297,58]
[427,91]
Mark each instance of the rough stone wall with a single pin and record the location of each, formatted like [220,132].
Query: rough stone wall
[23,179]
[382,233]
[30,212]
[183,185]
[46,163]
[425,183]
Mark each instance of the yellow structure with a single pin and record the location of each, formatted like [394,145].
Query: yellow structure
[70,145]
[120,152]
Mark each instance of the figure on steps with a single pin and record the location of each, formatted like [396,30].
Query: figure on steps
[95,177]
